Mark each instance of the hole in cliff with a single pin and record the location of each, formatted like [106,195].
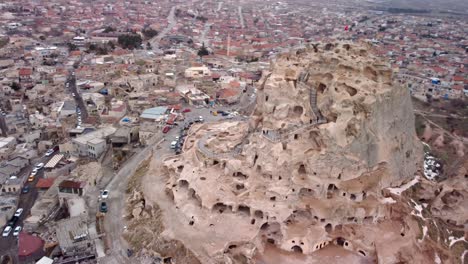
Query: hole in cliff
[297,249]
[180,168]
[252,221]
[273,198]
[183,184]
[279,178]
[321,88]
[264,226]
[328,46]
[346,244]
[370,73]
[351,90]
[402,234]
[346,46]
[297,111]
[284,145]
[258,214]
[191,222]
[296,136]
[240,186]
[271,241]
[215,162]
[259,168]
[232,246]
[362,253]
[266,98]
[328,228]
[368,219]
[339,177]
[202,178]
[302,169]
[332,187]
[340,241]
[244,209]
[351,219]
[219,207]
[240,175]
[255,158]
[353,197]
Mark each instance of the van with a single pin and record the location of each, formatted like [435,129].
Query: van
[173,144]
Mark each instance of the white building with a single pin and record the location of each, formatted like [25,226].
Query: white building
[92,144]
[197,72]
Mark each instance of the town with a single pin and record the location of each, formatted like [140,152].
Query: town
[89,91]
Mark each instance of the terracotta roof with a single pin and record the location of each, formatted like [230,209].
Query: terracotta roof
[25,72]
[45,183]
[71,184]
[29,244]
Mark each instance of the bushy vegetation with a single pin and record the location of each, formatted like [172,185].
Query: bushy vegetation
[149,33]
[130,41]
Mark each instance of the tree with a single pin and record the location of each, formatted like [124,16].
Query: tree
[149,33]
[71,46]
[203,51]
[15,86]
[130,41]
[109,29]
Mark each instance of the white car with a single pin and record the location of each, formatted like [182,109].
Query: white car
[200,118]
[104,194]
[40,166]
[173,144]
[34,172]
[68,84]
[73,94]
[19,212]
[49,152]
[17,230]
[6,231]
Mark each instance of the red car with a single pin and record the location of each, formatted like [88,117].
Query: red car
[186,110]
[166,129]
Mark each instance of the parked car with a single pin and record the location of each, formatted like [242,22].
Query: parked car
[104,194]
[6,231]
[40,166]
[17,230]
[186,110]
[25,189]
[49,152]
[13,221]
[34,172]
[73,94]
[173,144]
[31,178]
[103,207]
[166,129]
[200,118]
[19,212]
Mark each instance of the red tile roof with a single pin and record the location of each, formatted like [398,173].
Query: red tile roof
[29,244]
[25,72]
[45,183]
[71,184]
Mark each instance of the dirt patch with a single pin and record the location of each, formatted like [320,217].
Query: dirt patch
[144,231]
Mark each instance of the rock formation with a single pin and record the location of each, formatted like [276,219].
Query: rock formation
[321,163]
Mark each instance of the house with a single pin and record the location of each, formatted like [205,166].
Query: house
[68,189]
[92,144]
[74,236]
[154,114]
[192,95]
[12,186]
[228,95]
[197,72]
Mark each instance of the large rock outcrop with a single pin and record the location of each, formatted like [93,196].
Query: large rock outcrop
[317,165]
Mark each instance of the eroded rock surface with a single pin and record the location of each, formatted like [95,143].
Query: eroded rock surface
[321,163]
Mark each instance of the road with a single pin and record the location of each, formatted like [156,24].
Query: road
[205,31]
[9,245]
[171,21]
[71,80]
[241,17]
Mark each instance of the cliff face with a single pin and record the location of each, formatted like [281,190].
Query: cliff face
[329,137]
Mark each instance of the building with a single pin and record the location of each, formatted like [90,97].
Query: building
[69,189]
[92,144]
[154,114]
[192,95]
[74,236]
[197,72]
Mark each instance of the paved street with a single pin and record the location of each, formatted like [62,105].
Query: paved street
[171,21]
[9,245]
[78,99]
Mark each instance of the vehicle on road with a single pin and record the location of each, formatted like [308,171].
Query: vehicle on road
[200,118]
[40,166]
[103,207]
[17,230]
[49,152]
[25,189]
[31,178]
[186,110]
[104,194]
[13,177]
[13,221]
[34,172]
[73,94]
[19,212]
[173,144]
[6,231]
[166,129]
[68,84]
